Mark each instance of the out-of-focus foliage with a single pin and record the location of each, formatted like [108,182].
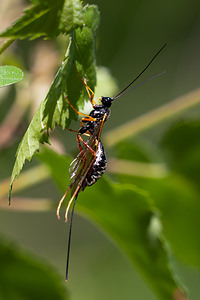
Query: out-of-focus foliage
[17,282]
[177,193]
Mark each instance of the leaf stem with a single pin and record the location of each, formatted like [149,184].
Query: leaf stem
[6,45]
[152,118]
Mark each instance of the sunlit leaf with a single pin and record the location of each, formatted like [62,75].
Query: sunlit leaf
[10,75]
[54,109]
[47,18]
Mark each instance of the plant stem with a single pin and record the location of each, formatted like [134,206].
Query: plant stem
[6,45]
[152,118]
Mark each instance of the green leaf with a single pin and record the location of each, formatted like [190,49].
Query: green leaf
[71,16]
[10,75]
[54,109]
[137,149]
[129,217]
[178,202]
[181,145]
[23,277]
[47,18]
[58,165]
[177,193]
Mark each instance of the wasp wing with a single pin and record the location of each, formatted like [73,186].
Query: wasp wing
[82,164]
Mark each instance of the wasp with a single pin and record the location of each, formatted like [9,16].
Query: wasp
[90,164]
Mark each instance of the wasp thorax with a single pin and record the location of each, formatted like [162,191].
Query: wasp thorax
[106,101]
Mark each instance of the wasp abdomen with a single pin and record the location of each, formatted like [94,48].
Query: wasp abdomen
[99,166]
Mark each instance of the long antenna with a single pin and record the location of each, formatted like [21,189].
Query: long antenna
[120,94]
[147,79]
[69,239]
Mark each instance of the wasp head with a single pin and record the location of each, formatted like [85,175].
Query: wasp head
[106,101]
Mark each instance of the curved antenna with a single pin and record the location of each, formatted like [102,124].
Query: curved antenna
[122,92]
[151,77]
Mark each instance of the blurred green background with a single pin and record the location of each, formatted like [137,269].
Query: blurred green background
[129,35]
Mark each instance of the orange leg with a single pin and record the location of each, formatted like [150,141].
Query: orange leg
[91,96]
[63,198]
[78,112]
[72,130]
[79,140]
[74,194]
[83,178]
[88,89]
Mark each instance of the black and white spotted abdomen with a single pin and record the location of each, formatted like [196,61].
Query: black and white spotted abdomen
[99,166]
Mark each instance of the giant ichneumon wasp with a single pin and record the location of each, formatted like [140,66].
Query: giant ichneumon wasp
[90,164]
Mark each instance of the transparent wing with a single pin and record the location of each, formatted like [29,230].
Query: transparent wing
[81,166]
[83,159]
[79,169]
[75,164]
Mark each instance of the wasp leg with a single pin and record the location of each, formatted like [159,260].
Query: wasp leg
[91,96]
[88,89]
[76,191]
[76,131]
[79,140]
[60,203]
[68,207]
[78,112]
[63,197]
